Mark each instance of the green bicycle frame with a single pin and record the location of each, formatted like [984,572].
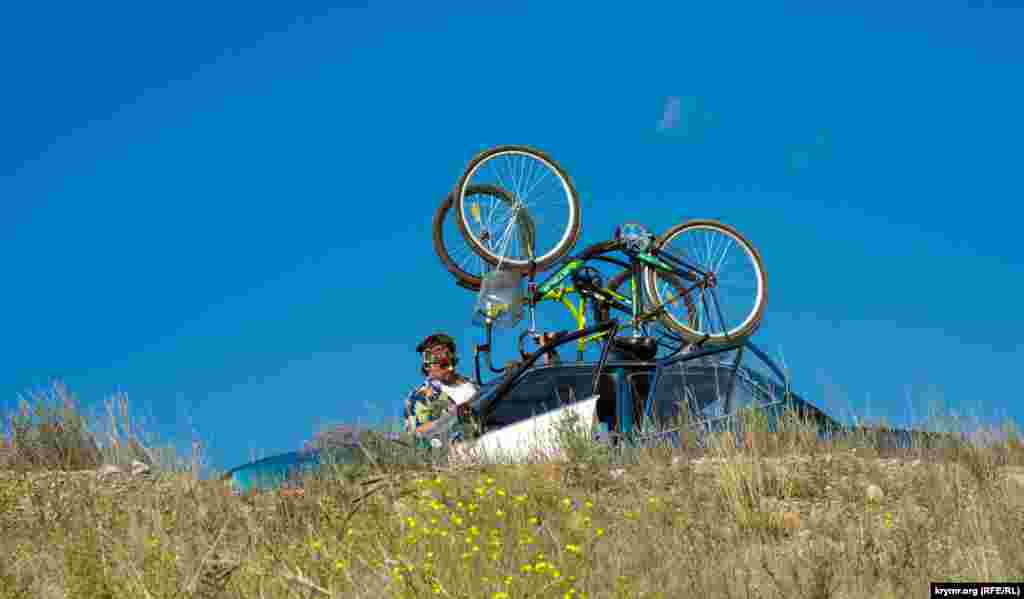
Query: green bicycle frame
[554,289]
[579,315]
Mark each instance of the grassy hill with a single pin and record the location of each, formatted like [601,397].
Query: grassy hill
[784,515]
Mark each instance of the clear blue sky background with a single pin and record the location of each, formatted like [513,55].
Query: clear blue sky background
[223,210]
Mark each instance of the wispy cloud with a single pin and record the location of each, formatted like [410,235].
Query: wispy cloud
[683,116]
[672,115]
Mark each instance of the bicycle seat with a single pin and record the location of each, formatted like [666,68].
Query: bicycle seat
[635,348]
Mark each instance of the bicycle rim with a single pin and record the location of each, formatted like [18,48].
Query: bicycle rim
[545,199]
[451,248]
[730,310]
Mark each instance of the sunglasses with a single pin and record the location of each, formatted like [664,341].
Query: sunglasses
[440,358]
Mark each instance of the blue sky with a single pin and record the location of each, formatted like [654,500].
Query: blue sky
[224,212]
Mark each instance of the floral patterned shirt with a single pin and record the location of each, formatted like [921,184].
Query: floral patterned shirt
[427,403]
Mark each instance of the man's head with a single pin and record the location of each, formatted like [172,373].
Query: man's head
[438,354]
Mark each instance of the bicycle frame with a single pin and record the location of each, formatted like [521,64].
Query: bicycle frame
[555,289]
[579,315]
[552,287]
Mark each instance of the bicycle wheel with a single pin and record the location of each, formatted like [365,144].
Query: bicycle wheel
[731,305]
[540,188]
[450,246]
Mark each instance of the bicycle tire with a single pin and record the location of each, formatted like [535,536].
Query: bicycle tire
[553,255]
[752,321]
[465,279]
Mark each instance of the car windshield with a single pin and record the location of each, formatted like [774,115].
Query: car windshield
[702,387]
[710,387]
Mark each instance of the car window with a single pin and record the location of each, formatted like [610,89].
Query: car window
[708,385]
[670,395]
[566,393]
[606,412]
[574,385]
[639,386]
[549,390]
[703,388]
[529,398]
[754,388]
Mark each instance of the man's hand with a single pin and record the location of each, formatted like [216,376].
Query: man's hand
[426,391]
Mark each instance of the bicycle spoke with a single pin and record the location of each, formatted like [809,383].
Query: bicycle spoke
[725,303]
[530,228]
[725,325]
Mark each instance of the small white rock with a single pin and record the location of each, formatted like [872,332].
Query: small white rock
[875,493]
[617,473]
[107,470]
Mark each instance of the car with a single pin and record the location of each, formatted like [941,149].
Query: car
[623,398]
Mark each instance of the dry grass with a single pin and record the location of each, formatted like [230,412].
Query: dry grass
[786,516]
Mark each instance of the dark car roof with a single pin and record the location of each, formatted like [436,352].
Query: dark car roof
[753,376]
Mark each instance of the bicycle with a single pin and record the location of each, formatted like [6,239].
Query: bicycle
[683,285]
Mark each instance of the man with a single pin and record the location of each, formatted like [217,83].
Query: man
[444,391]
